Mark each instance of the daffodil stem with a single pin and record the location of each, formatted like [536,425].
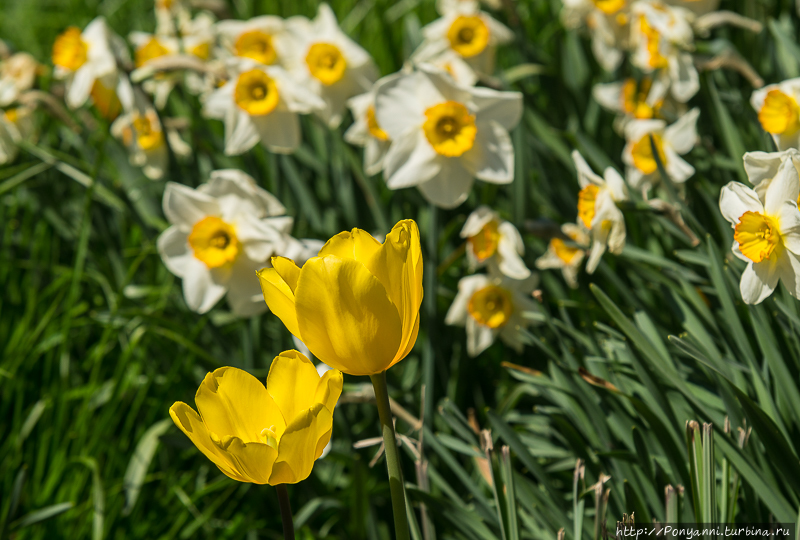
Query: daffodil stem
[286,511]
[392,457]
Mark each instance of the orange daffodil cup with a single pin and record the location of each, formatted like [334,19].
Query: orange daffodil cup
[264,435]
[356,307]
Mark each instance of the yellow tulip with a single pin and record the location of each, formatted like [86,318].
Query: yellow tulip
[262,435]
[355,305]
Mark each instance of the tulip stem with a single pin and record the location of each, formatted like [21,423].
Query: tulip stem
[286,511]
[392,457]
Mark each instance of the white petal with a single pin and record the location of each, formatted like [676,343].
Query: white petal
[457,314]
[397,107]
[586,175]
[374,154]
[491,157]
[450,187]
[682,135]
[505,108]
[279,131]
[758,281]
[185,206]
[685,80]
[677,169]
[174,249]
[609,95]
[615,184]
[735,199]
[479,337]
[242,135]
[410,161]
[784,187]
[80,87]
[790,273]
[510,263]
[477,220]
[244,291]
[200,288]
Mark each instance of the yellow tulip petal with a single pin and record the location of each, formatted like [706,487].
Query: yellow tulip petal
[355,244]
[409,346]
[298,445]
[192,425]
[346,317]
[292,382]
[329,389]
[254,459]
[322,443]
[287,270]
[234,403]
[398,266]
[280,298]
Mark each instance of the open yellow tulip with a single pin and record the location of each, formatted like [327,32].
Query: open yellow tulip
[356,304]
[262,435]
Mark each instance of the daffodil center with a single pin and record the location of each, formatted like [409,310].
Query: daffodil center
[11,115]
[634,99]
[468,35]
[214,242]
[257,45]
[150,50]
[326,63]
[106,100]
[609,7]
[450,128]
[780,113]
[642,152]
[256,92]
[491,306]
[587,200]
[564,252]
[70,50]
[148,132]
[757,235]
[653,42]
[373,127]
[484,244]
[201,50]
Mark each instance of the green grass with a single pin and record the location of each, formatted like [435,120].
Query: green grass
[96,341]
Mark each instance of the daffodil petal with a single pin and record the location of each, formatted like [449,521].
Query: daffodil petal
[297,448]
[346,317]
[292,382]
[192,425]
[287,270]
[234,403]
[280,298]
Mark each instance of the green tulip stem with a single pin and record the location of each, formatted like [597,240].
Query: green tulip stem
[392,456]
[286,511]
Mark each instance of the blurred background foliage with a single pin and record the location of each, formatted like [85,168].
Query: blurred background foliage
[97,342]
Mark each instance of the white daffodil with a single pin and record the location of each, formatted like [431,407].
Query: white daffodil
[467,31]
[143,135]
[198,36]
[365,130]
[260,39]
[766,233]
[86,61]
[148,47]
[16,124]
[637,100]
[439,55]
[608,23]
[492,306]
[494,242]
[762,167]
[778,107]
[597,209]
[566,257]
[171,16]
[17,74]
[261,103]
[221,233]
[327,62]
[662,39]
[445,135]
[670,142]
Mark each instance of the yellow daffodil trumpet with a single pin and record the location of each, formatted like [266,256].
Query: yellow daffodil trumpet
[264,435]
[356,307]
